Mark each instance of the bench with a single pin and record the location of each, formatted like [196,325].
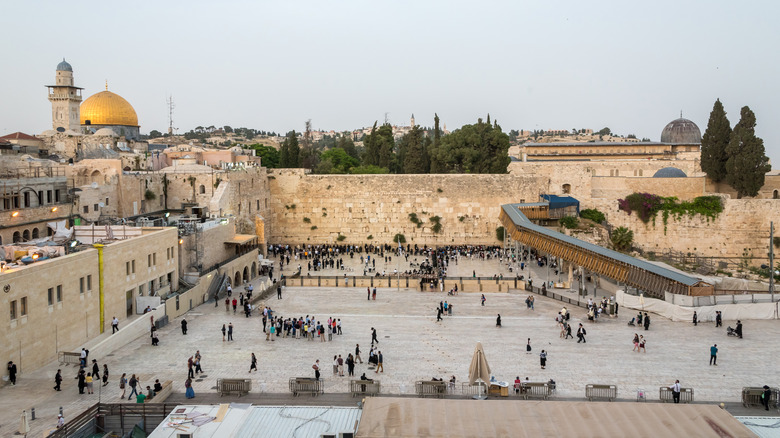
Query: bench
[68,358]
[159,397]
[751,396]
[666,395]
[535,389]
[305,385]
[433,388]
[604,392]
[364,387]
[234,386]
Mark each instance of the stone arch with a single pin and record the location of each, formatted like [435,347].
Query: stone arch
[1,240]
[238,279]
[26,235]
[202,189]
[229,281]
[17,237]
[253,272]
[246,274]
[566,189]
[49,231]
[96,177]
[775,195]
[35,233]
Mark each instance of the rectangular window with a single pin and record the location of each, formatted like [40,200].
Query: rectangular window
[127,268]
[106,201]
[59,293]
[50,296]
[82,283]
[86,209]
[141,290]
[24,306]
[48,196]
[154,259]
[57,195]
[40,197]
[89,282]
[95,207]
[133,265]
[149,260]
[26,199]
[13,310]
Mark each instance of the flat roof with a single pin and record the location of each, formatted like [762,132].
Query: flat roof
[240,239]
[456,418]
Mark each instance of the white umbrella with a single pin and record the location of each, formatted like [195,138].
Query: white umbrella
[479,369]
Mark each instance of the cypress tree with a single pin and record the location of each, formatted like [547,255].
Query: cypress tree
[747,161]
[714,142]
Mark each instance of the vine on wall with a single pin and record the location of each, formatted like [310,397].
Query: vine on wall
[647,206]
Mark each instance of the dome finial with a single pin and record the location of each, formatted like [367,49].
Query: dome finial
[106,84]
[681,114]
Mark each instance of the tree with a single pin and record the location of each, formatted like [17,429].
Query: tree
[345,142]
[371,154]
[227,129]
[337,161]
[477,148]
[368,169]
[714,142]
[747,162]
[289,153]
[155,134]
[269,157]
[622,238]
[604,131]
[412,153]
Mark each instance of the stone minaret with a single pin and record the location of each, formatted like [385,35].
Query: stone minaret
[65,99]
[412,121]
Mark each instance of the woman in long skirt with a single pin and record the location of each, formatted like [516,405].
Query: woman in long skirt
[253,366]
[528,347]
[189,393]
[105,374]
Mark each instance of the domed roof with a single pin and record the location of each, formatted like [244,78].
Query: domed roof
[681,131]
[107,108]
[64,66]
[106,132]
[670,172]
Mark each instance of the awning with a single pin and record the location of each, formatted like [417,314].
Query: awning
[241,239]
[412,417]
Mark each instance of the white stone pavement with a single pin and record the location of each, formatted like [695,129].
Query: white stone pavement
[416,347]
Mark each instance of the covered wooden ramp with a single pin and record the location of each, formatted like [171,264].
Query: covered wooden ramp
[654,280]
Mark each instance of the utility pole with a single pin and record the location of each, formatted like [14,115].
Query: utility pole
[171,106]
[772,261]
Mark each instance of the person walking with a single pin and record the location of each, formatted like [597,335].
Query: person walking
[253,364]
[114,325]
[198,369]
[183,326]
[123,384]
[766,396]
[357,353]
[647,321]
[714,355]
[57,380]
[368,293]
[105,374]
[235,305]
[695,319]
[498,320]
[373,294]
[95,370]
[224,330]
[718,319]
[279,291]
[341,366]
[82,377]
[636,343]
[543,358]
[12,372]
[373,336]
[316,368]
[89,381]
[350,365]
[227,304]
[676,391]
[738,330]
[189,392]
[230,331]
[581,334]
[190,369]
[528,347]
[642,343]
[568,332]
[438,314]
[483,299]
[379,364]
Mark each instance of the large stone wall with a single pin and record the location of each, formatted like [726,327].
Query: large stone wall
[619,187]
[359,206]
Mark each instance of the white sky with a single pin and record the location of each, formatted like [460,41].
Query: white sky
[630,66]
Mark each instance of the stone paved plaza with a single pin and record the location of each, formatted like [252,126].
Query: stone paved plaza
[416,347]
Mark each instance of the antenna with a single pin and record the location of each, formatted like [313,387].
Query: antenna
[171,106]
[386,117]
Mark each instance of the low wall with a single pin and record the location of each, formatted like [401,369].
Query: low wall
[127,333]
[677,312]
[465,284]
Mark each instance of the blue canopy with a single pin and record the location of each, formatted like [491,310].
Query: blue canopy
[561,202]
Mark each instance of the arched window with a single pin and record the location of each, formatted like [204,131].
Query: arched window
[25,235]
[34,233]
[17,237]
[775,195]
[202,189]
[566,189]
[96,177]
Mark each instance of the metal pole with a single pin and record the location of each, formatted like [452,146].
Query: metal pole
[771,261]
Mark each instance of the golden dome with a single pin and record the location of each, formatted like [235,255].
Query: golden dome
[107,108]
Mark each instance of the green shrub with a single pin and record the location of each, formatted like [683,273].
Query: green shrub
[341,237]
[436,220]
[370,236]
[313,227]
[500,234]
[593,214]
[399,238]
[307,220]
[569,222]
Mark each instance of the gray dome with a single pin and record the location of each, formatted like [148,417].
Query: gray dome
[64,66]
[681,131]
[670,172]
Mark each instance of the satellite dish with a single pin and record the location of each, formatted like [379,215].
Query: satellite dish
[60,129]
[101,205]
[94,185]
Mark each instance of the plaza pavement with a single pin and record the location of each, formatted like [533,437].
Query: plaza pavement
[416,347]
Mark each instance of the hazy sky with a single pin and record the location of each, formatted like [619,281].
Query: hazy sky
[631,66]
